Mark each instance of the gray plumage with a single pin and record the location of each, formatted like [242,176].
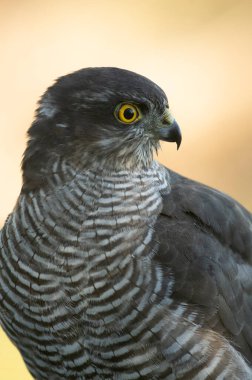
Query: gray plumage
[113,266]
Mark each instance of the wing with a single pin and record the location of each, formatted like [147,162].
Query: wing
[206,240]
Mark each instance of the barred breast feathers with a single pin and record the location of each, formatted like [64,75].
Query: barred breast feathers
[81,292]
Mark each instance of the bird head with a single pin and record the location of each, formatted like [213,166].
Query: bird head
[107,118]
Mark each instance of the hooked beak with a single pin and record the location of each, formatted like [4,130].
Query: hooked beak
[169,130]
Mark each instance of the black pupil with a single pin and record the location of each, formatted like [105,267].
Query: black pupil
[129,113]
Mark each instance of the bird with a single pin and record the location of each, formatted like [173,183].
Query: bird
[113,266]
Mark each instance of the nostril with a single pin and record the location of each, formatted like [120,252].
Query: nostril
[166,121]
[167,118]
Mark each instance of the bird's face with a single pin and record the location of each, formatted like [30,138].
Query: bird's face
[107,117]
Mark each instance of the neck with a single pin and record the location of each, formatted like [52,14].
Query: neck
[39,160]
[133,156]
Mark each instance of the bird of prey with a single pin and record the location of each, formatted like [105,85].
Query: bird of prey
[113,266]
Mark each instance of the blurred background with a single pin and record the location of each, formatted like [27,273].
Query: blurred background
[198,51]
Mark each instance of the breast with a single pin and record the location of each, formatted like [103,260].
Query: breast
[79,252]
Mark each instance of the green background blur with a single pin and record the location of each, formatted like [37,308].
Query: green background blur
[198,51]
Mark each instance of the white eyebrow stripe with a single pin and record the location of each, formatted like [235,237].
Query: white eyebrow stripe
[61,125]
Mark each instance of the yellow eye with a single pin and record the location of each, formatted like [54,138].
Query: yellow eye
[128,113]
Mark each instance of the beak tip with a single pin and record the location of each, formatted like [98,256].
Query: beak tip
[179,143]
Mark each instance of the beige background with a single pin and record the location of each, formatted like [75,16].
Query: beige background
[198,51]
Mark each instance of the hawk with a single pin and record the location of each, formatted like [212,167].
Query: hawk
[113,266]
